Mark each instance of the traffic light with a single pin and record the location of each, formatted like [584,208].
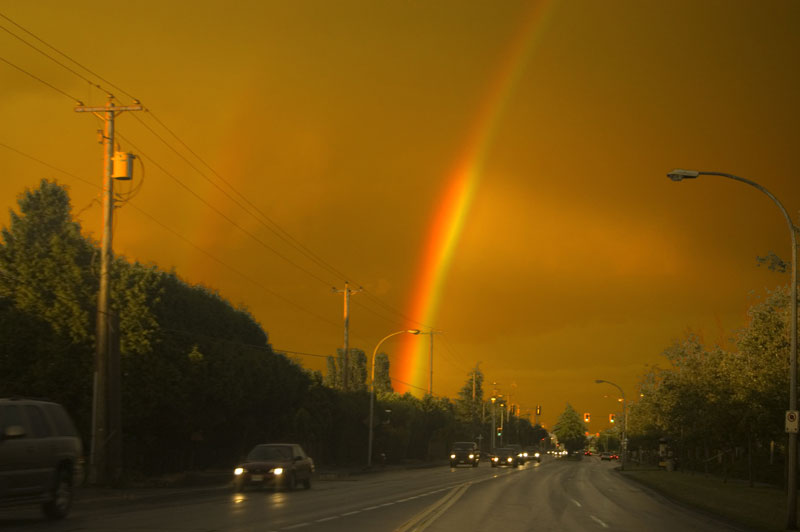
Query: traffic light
[538,410]
[612,418]
[586,417]
[499,431]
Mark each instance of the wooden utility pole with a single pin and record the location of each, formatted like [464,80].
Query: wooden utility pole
[106,403]
[345,356]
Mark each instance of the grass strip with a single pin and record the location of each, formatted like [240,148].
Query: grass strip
[759,508]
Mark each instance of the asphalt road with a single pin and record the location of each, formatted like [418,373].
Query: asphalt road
[554,495]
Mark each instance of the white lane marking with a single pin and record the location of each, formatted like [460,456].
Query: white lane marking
[299,525]
[386,504]
[327,519]
[598,521]
[351,513]
[576,503]
[370,508]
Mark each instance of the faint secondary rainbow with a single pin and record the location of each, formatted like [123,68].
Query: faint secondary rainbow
[459,190]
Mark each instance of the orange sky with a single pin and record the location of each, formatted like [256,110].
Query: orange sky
[340,121]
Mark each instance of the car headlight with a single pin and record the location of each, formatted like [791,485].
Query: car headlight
[509,459]
[494,459]
[238,471]
[536,455]
[525,455]
[453,456]
[278,471]
[471,456]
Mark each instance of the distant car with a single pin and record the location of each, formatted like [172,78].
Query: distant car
[41,456]
[278,465]
[465,452]
[587,452]
[505,456]
[522,455]
[533,454]
[614,456]
[606,456]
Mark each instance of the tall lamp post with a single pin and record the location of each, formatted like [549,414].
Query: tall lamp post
[372,389]
[624,421]
[791,459]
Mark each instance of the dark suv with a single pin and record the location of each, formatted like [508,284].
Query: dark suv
[465,452]
[41,455]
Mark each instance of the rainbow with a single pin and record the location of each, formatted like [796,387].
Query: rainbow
[457,196]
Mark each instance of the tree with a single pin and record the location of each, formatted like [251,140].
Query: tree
[47,266]
[468,409]
[383,382]
[570,429]
[356,368]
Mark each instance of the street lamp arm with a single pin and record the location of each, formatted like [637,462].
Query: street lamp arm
[372,388]
[624,443]
[791,491]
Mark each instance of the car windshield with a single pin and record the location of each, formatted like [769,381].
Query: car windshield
[462,446]
[270,452]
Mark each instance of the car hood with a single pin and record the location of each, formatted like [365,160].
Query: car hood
[265,464]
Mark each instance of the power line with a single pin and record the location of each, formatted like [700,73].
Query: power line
[40,80]
[222,215]
[56,61]
[268,222]
[68,57]
[265,220]
[181,237]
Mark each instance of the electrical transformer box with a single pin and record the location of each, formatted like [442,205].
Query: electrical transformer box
[123,166]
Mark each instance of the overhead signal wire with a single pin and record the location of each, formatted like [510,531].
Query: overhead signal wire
[68,57]
[40,80]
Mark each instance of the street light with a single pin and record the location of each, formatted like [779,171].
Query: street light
[372,389]
[624,420]
[791,458]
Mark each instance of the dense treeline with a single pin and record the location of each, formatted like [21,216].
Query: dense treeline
[721,410]
[200,381]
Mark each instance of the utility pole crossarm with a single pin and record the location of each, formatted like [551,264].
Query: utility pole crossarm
[85,109]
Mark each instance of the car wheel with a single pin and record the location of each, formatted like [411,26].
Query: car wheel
[494,465]
[238,485]
[474,464]
[452,464]
[307,483]
[58,507]
[291,482]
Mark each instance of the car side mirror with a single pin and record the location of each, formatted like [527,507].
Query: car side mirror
[13,431]
[298,458]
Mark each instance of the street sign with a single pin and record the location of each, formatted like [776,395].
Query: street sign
[792,421]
